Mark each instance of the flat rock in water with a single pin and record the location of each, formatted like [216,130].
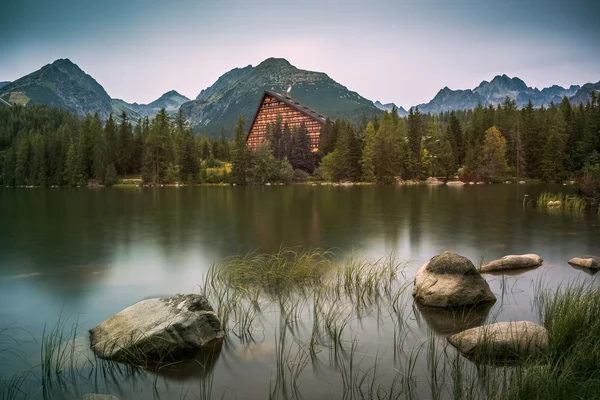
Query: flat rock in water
[585,263]
[513,262]
[156,328]
[451,280]
[501,341]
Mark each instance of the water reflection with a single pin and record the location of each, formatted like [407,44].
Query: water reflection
[448,321]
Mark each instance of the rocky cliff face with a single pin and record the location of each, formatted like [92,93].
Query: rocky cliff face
[239,91]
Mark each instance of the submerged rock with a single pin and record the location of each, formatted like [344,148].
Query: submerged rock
[451,280]
[513,262]
[585,263]
[501,341]
[156,329]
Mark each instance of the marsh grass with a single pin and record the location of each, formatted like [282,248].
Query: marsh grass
[560,201]
[570,367]
[317,303]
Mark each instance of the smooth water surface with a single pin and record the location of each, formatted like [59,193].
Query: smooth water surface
[87,254]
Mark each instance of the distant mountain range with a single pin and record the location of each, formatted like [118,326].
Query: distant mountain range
[170,101]
[389,106]
[501,87]
[64,85]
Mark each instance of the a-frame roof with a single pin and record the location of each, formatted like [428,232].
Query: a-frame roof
[320,118]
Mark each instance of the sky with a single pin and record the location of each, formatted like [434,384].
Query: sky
[388,50]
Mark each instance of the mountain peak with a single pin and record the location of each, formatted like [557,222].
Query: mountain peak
[274,62]
[172,93]
[63,61]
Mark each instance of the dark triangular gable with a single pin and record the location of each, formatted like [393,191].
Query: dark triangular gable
[320,118]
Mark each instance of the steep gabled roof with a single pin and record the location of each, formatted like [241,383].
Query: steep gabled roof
[320,118]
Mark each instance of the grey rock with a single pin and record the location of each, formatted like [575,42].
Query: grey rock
[513,262]
[501,341]
[156,328]
[451,280]
[585,263]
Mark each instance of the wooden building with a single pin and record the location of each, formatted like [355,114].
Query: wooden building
[293,113]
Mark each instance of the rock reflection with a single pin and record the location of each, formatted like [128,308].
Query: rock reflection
[196,366]
[448,321]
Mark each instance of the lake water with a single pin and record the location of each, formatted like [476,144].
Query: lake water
[83,255]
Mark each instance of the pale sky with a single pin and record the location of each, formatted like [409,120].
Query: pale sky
[392,51]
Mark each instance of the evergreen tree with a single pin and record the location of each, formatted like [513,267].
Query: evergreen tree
[240,157]
[368,153]
[265,167]
[138,147]
[533,141]
[110,176]
[454,136]
[301,156]
[327,138]
[386,154]
[190,160]
[157,150]
[110,132]
[100,157]
[349,149]
[38,163]
[8,172]
[553,157]
[492,159]
[22,172]
[415,134]
[125,146]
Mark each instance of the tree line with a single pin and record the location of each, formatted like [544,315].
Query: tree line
[44,146]
[487,143]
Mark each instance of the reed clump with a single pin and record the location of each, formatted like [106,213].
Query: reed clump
[561,201]
[569,368]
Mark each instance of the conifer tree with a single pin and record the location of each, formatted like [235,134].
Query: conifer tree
[110,132]
[415,134]
[553,156]
[240,154]
[301,156]
[454,136]
[492,159]
[328,137]
[125,146]
[8,171]
[368,153]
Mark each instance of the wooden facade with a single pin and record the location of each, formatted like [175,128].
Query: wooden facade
[293,113]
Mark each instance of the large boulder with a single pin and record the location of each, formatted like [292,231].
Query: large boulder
[501,341]
[585,263]
[451,280]
[158,329]
[513,262]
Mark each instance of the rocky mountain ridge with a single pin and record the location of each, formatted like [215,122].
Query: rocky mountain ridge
[501,87]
